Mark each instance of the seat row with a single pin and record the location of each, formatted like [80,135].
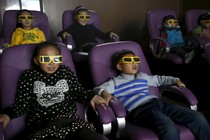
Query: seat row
[100,67]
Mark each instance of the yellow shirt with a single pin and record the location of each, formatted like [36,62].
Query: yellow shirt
[22,36]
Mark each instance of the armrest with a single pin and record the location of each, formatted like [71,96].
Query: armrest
[119,112]
[1,45]
[167,56]
[197,38]
[106,117]
[118,108]
[69,42]
[159,39]
[57,39]
[185,93]
[80,56]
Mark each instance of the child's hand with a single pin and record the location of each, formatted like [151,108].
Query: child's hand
[107,96]
[180,84]
[113,35]
[5,120]
[98,100]
[65,34]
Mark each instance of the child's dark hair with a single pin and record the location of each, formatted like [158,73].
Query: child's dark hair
[167,18]
[42,45]
[205,16]
[78,9]
[117,56]
[17,17]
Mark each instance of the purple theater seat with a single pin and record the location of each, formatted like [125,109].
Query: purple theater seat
[101,71]
[13,62]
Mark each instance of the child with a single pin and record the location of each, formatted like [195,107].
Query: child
[25,33]
[85,34]
[172,33]
[203,29]
[48,94]
[131,88]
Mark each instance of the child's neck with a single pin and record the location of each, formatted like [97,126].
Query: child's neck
[27,28]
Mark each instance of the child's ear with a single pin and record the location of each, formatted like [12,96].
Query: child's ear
[35,61]
[118,66]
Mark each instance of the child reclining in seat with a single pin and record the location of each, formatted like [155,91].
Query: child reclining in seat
[85,34]
[172,33]
[131,88]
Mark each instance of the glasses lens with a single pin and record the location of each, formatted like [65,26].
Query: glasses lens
[136,59]
[81,17]
[44,59]
[88,17]
[57,59]
[30,17]
[127,59]
[22,17]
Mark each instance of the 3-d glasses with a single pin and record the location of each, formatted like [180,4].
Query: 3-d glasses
[23,17]
[172,21]
[129,59]
[83,17]
[49,59]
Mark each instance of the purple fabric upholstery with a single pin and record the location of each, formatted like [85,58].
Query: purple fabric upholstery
[102,70]
[154,24]
[13,62]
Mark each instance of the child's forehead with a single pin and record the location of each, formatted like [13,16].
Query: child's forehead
[25,13]
[83,13]
[170,19]
[129,54]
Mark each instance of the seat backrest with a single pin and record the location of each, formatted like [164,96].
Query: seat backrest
[13,62]
[101,66]
[154,20]
[192,17]
[10,20]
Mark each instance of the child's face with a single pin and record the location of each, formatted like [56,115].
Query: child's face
[26,19]
[171,23]
[206,23]
[82,18]
[128,64]
[49,59]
